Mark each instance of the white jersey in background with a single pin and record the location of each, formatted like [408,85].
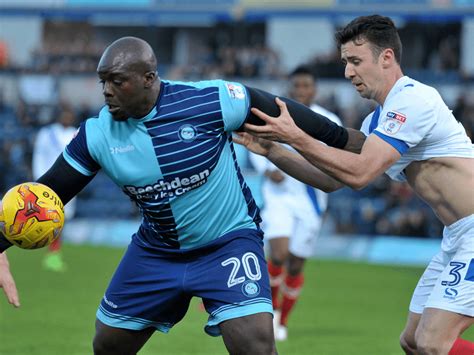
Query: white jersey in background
[291,208]
[49,144]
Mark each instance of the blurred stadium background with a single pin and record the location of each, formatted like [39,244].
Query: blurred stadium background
[49,50]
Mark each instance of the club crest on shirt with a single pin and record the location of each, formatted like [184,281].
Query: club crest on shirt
[187,133]
[250,288]
[235,91]
[393,122]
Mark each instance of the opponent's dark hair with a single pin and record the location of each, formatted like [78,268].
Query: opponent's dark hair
[379,31]
[303,70]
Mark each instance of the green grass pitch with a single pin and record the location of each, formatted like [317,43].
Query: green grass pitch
[345,308]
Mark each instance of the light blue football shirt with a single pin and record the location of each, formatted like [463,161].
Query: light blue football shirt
[177,163]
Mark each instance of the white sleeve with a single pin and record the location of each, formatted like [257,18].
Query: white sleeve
[407,118]
[365,128]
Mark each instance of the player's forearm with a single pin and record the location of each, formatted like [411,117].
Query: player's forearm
[355,141]
[4,260]
[346,167]
[4,243]
[66,181]
[298,167]
[7,282]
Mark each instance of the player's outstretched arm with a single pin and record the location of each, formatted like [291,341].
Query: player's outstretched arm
[66,181]
[256,145]
[312,123]
[354,170]
[290,162]
[7,282]
[6,279]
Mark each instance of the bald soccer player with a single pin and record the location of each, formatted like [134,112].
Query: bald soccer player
[168,146]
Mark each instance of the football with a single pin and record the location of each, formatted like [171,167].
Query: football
[32,215]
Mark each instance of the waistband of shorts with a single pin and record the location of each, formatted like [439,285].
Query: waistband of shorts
[461,225]
[248,233]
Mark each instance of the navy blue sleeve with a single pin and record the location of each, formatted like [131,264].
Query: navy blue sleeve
[314,124]
[65,180]
[77,153]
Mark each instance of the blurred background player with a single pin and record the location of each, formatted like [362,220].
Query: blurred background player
[292,215]
[49,144]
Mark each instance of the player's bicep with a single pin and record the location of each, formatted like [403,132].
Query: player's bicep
[378,156]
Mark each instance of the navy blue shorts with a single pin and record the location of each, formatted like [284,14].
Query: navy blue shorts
[153,288]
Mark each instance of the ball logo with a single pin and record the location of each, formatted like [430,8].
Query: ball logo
[30,209]
[187,133]
[250,289]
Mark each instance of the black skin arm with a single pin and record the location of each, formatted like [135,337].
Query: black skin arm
[314,124]
[63,179]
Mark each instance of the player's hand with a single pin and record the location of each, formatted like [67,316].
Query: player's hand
[256,145]
[7,282]
[281,129]
[276,176]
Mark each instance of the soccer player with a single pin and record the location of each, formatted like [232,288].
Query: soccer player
[168,146]
[412,136]
[49,143]
[292,215]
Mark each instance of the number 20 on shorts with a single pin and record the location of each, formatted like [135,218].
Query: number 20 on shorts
[252,273]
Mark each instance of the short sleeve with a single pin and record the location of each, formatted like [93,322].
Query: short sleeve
[77,153]
[235,104]
[365,128]
[405,121]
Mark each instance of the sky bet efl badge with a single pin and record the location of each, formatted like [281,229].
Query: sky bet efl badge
[235,91]
[393,122]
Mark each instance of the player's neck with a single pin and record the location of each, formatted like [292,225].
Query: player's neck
[390,82]
[149,101]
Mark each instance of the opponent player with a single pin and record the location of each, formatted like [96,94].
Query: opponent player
[49,143]
[167,145]
[412,136]
[292,215]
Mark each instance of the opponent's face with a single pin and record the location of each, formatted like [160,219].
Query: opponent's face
[302,88]
[363,69]
[123,89]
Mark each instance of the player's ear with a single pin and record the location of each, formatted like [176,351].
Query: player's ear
[150,78]
[388,57]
